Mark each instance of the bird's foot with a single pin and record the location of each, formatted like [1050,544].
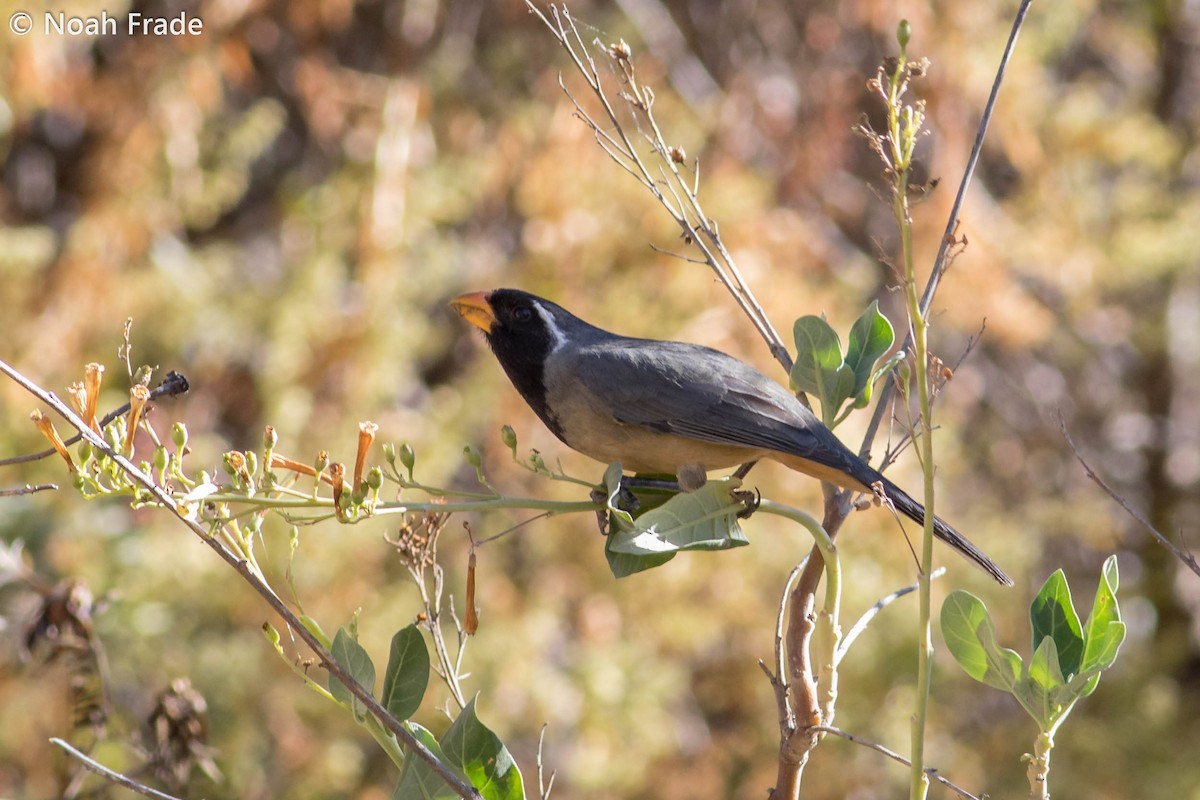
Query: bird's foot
[749,499]
[625,499]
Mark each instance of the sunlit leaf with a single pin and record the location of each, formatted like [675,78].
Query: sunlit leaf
[870,337]
[971,638]
[705,519]
[820,368]
[472,748]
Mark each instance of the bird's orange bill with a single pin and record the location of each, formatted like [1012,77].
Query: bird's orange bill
[475,309]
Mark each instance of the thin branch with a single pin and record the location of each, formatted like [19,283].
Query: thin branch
[27,488]
[245,569]
[1182,554]
[115,777]
[621,148]
[172,385]
[870,614]
[933,773]
[779,677]
[544,786]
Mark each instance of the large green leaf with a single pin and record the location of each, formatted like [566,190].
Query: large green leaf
[472,748]
[407,674]
[971,638]
[355,660]
[820,367]
[705,519]
[1053,614]
[622,565]
[870,337]
[418,781]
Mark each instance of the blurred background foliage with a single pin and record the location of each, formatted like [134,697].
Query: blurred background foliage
[284,204]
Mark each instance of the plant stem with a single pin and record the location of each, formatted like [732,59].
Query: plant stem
[1039,767]
[904,124]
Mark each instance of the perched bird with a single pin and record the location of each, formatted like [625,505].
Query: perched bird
[668,407]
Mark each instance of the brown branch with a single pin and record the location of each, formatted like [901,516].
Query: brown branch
[1182,554]
[243,568]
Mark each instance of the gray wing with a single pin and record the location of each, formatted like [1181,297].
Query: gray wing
[694,391]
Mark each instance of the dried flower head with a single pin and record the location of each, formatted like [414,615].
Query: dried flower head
[416,539]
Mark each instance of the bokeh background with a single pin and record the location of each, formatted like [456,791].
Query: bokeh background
[284,204]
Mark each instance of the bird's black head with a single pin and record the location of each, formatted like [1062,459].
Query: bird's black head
[524,332]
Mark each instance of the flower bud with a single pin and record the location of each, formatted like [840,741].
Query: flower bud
[375,478]
[179,435]
[471,454]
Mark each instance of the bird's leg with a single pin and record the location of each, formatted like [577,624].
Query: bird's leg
[744,469]
[625,499]
[691,477]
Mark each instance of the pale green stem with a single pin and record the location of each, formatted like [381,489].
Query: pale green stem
[903,137]
[404,506]
[1039,767]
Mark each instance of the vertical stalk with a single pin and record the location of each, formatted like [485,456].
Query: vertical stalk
[904,125]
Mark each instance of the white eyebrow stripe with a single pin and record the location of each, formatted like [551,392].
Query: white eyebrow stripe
[556,333]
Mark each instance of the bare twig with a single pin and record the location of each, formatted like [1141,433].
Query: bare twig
[892,754]
[777,675]
[1179,552]
[544,786]
[671,187]
[244,568]
[115,777]
[27,488]
[870,614]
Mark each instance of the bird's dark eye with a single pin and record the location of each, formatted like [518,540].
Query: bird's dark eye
[523,314]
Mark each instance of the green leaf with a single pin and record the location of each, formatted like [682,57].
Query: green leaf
[354,659]
[870,337]
[407,674]
[705,519]
[418,781]
[479,753]
[820,368]
[1052,614]
[1046,684]
[1104,631]
[971,638]
[622,565]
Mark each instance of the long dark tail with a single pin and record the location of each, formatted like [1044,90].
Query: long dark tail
[916,512]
